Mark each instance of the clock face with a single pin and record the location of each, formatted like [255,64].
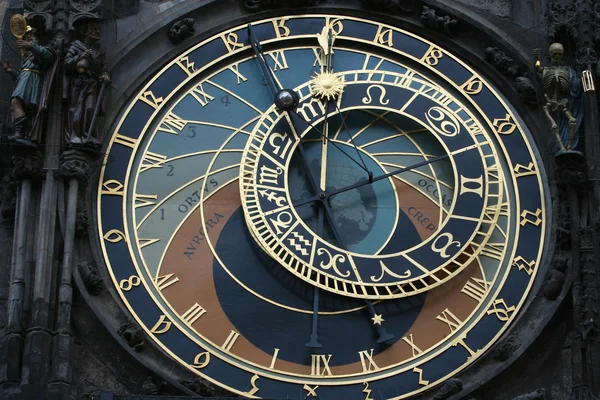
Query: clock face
[371,265]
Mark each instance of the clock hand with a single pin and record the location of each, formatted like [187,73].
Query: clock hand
[327,196]
[314,336]
[260,58]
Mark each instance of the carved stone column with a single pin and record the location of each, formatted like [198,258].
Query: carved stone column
[75,167]
[27,167]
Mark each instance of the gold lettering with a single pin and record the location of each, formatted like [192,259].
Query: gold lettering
[125,141]
[312,391]
[367,361]
[528,266]
[149,98]
[192,315]
[384,36]
[526,217]
[274,358]
[113,187]
[162,326]
[522,170]
[200,95]
[129,283]
[280,29]
[230,341]
[422,381]
[114,236]
[152,160]
[320,365]
[172,124]
[475,288]
[231,41]
[236,70]
[409,340]
[473,86]
[163,282]
[279,60]
[367,391]
[186,65]
[147,242]
[255,388]
[144,200]
[449,319]
[501,309]
[433,56]
[504,126]
[201,360]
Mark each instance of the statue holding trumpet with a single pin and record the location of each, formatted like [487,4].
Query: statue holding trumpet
[32,82]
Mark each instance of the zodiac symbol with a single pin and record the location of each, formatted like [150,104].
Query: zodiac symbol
[298,246]
[442,121]
[385,269]
[368,99]
[332,263]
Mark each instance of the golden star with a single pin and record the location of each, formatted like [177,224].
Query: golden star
[378,319]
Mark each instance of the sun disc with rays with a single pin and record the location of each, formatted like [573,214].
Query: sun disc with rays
[327,85]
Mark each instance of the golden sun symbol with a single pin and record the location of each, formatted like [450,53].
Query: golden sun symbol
[327,85]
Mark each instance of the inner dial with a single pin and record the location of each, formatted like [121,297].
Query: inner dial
[364,249]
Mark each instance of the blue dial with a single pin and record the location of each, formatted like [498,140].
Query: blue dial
[365,234]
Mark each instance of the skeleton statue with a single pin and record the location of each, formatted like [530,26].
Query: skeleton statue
[563,94]
[32,86]
[86,72]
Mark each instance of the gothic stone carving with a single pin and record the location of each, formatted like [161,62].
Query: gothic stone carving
[86,76]
[506,348]
[507,66]
[450,388]
[539,394]
[260,5]
[29,99]
[389,6]
[200,386]
[562,18]
[89,275]
[132,336]
[556,279]
[27,163]
[445,24]
[75,165]
[8,196]
[181,30]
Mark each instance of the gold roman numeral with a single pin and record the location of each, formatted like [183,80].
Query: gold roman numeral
[279,60]
[147,242]
[172,124]
[152,160]
[192,315]
[409,340]
[125,141]
[201,96]
[320,365]
[230,341]
[163,282]
[449,319]
[367,361]
[144,200]
[475,288]
[236,70]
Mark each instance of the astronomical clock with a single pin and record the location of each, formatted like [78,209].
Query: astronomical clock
[323,206]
